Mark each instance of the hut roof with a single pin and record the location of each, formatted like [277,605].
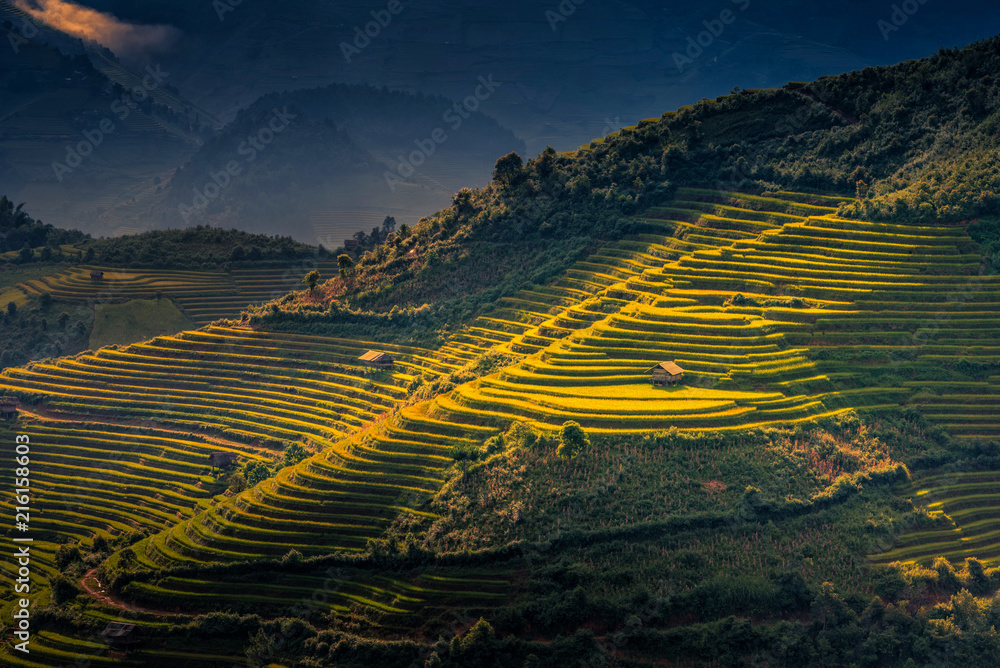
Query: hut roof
[375,356]
[222,457]
[669,367]
[9,401]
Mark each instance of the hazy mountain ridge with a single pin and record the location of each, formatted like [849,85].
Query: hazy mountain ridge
[334,156]
[887,136]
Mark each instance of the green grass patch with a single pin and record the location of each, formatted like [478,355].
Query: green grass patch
[137,320]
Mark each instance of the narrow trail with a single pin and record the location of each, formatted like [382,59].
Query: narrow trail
[96,590]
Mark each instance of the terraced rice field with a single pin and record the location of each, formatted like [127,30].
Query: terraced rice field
[220,389]
[55,649]
[204,296]
[835,315]
[106,478]
[969,501]
[347,591]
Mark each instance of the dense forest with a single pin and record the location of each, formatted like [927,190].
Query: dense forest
[199,246]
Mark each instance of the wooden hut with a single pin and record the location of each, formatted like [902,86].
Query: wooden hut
[96,275]
[378,360]
[350,244]
[8,407]
[119,635]
[222,460]
[666,372]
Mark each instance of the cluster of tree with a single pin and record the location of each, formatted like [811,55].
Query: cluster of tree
[34,333]
[20,232]
[840,631]
[199,246]
[379,235]
[255,472]
[987,234]
[418,287]
[850,133]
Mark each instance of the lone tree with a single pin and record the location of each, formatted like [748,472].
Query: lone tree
[572,440]
[294,454]
[345,263]
[256,472]
[509,170]
[312,278]
[388,226]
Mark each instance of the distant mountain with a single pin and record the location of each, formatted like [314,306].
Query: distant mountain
[76,140]
[571,71]
[325,163]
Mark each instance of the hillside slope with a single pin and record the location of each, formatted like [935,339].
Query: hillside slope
[781,505]
[760,351]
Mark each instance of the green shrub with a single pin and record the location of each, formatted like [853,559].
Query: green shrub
[572,440]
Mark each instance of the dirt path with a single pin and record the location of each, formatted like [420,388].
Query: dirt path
[96,590]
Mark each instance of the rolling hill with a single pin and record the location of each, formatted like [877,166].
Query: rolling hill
[817,258]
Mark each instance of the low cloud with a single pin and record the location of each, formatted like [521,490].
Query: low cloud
[123,38]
